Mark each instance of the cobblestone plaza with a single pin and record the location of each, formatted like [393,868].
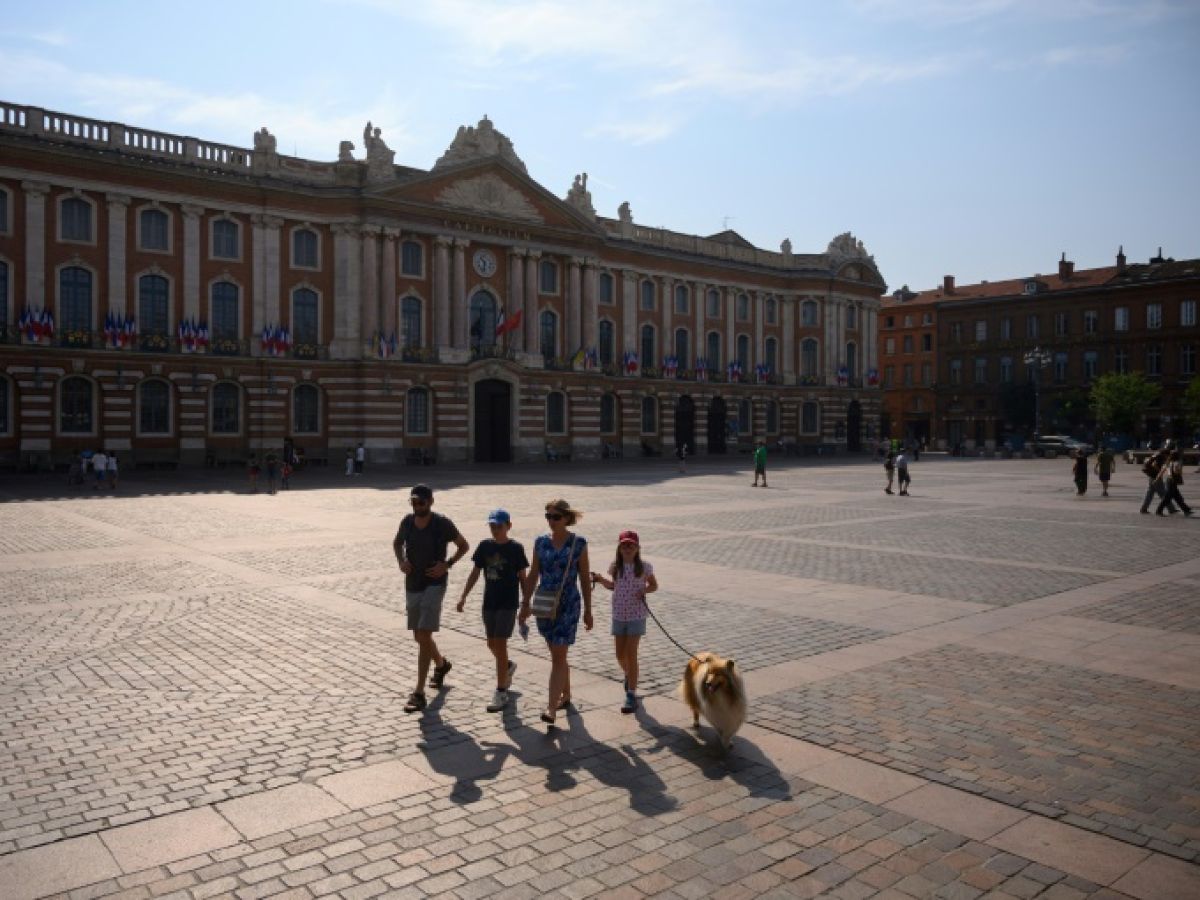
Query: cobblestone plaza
[988,689]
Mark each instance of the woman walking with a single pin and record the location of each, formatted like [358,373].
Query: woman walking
[630,579]
[558,558]
[1081,472]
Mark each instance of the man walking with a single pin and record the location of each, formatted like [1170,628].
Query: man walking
[1104,468]
[420,548]
[902,477]
[360,457]
[760,463]
[1151,470]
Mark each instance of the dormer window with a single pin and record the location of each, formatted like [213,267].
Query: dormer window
[1031,286]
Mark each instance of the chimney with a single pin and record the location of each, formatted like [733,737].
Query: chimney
[948,284]
[1157,259]
[1121,260]
[1066,268]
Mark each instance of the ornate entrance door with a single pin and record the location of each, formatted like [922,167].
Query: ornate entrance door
[493,421]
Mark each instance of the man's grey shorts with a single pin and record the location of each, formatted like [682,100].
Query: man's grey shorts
[425,608]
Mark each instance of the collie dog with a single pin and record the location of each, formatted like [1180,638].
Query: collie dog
[713,688]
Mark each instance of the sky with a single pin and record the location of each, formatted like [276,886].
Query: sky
[974,138]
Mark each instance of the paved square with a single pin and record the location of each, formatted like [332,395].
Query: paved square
[991,688]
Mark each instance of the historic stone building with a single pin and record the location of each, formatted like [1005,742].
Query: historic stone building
[177,299]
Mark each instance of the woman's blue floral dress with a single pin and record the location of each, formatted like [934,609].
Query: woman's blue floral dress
[551,564]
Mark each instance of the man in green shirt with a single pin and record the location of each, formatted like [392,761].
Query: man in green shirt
[1104,468]
[760,463]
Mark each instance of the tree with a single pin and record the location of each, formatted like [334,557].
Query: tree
[1072,410]
[1121,399]
[1191,403]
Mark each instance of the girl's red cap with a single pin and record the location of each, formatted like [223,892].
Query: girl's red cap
[629,537]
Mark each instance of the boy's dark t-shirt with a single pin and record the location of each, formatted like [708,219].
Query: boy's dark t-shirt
[424,547]
[501,564]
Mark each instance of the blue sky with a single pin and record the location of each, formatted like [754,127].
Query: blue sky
[979,138]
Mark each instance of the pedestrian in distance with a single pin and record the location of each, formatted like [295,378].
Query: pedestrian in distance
[1080,469]
[1171,476]
[112,473]
[420,548]
[902,477]
[630,579]
[504,567]
[360,458]
[285,479]
[1104,469]
[760,463]
[681,455]
[252,471]
[889,467]
[272,471]
[99,469]
[558,558]
[349,462]
[1152,468]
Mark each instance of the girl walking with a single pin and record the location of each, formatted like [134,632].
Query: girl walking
[630,579]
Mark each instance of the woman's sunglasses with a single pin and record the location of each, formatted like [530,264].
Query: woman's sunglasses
[553,517]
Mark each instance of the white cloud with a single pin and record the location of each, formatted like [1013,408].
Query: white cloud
[957,12]
[648,131]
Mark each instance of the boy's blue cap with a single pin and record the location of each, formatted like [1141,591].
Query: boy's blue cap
[499,517]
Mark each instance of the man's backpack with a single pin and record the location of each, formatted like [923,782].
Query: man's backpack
[1150,467]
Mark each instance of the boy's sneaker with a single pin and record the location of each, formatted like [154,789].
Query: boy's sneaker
[630,702]
[416,703]
[439,673]
[499,701]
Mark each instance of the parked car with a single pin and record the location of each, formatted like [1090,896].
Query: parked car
[1059,445]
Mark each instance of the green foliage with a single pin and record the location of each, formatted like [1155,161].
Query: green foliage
[1191,402]
[1121,399]
[1072,410]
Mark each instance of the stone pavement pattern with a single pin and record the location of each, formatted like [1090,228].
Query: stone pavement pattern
[990,688]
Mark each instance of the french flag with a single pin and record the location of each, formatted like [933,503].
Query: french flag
[506,323]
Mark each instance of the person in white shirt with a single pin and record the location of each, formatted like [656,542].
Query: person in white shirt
[100,468]
[112,471]
[902,477]
[360,457]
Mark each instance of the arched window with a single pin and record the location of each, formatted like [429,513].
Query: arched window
[410,322]
[608,414]
[154,297]
[556,413]
[154,407]
[226,408]
[649,415]
[772,311]
[770,351]
[304,249]
[745,413]
[714,303]
[772,411]
[548,276]
[74,299]
[606,289]
[224,313]
[411,259]
[76,222]
[153,233]
[743,350]
[76,406]
[852,359]
[808,313]
[712,350]
[306,409]
[648,346]
[482,320]
[647,294]
[808,357]
[225,239]
[681,348]
[608,343]
[743,308]
[548,334]
[417,411]
[810,419]
[681,300]
[851,316]
[304,317]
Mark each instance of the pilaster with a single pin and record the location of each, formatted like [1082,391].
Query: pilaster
[629,315]
[458,295]
[258,284]
[441,291]
[758,309]
[729,298]
[191,260]
[699,348]
[574,304]
[369,235]
[387,281]
[666,287]
[35,242]
[516,297]
[118,208]
[347,289]
[590,279]
[272,259]
[532,259]
[787,309]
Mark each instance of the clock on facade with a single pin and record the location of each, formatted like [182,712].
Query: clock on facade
[485,263]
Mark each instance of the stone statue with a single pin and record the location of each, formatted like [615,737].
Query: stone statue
[480,142]
[844,246]
[625,214]
[786,247]
[380,157]
[580,197]
[264,141]
[346,151]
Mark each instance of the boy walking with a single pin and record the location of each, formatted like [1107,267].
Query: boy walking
[504,567]
[760,463]
[903,479]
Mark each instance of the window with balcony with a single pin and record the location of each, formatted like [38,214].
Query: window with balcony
[712,350]
[1154,315]
[306,409]
[608,343]
[1062,323]
[606,289]
[548,334]
[548,277]
[410,322]
[74,300]
[304,317]
[154,298]
[154,407]
[681,347]
[647,294]
[743,351]
[1187,313]
[1091,321]
[649,346]
[809,357]
[152,230]
[416,411]
[305,249]
[980,330]
[224,314]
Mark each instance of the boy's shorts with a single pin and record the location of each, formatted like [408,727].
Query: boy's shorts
[629,628]
[499,623]
[425,608]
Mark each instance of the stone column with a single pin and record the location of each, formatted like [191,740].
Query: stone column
[590,314]
[35,243]
[441,291]
[787,306]
[191,260]
[516,297]
[347,288]
[532,261]
[370,282]
[118,207]
[629,329]
[459,313]
[258,285]
[758,309]
[387,282]
[667,344]
[272,274]
[574,306]
[731,325]
[700,298]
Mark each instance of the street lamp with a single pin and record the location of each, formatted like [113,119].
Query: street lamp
[1038,359]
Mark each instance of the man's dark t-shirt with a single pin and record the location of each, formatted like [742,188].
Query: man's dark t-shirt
[424,547]
[501,564]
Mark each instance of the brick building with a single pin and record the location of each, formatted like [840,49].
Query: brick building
[210,300]
[908,363]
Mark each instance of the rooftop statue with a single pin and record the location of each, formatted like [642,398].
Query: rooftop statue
[580,197]
[480,142]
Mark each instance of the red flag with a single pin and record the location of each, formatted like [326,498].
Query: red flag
[504,324]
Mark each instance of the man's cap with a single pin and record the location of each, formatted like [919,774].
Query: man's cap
[629,537]
[422,491]
[499,517]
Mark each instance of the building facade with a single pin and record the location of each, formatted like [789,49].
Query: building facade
[908,357]
[179,300]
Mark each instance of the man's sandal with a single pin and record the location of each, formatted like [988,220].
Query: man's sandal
[416,703]
[439,673]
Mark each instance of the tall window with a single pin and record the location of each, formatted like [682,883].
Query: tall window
[647,294]
[1091,321]
[712,350]
[1187,359]
[548,277]
[852,359]
[152,227]
[1154,359]
[224,325]
[745,424]
[548,333]
[1091,363]
[908,374]
[1006,329]
[1006,369]
[649,415]
[648,348]
[3,287]
[1121,318]
[713,303]
[1187,312]
[743,350]
[769,353]
[1062,324]
[410,322]
[681,300]
[606,289]
[956,371]
[483,320]
[809,418]
[743,308]
[416,411]
[76,402]
[1154,315]
[304,316]
[908,343]
[772,311]
[808,357]
[304,248]
[75,299]
[556,413]
[608,414]
[681,347]
[154,407]
[889,346]
[852,316]
[772,411]
[927,343]
[76,219]
[1031,326]
[1060,367]
[981,330]
[306,409]
[956,331]
[608,343]
[927,373]
[1121,361]
[808,313]
[981,368]
[153,309]
[225,239]
[4,212]
[226,408]
[889,376]
[411,259]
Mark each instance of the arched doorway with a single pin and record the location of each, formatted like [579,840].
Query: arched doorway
[482,321]
[716,425]
[854,426]
[685,424]
[493,421]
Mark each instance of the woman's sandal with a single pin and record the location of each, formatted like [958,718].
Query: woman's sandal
[565,702]
[547,718]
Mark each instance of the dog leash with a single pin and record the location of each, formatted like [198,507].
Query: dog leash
[646,603]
